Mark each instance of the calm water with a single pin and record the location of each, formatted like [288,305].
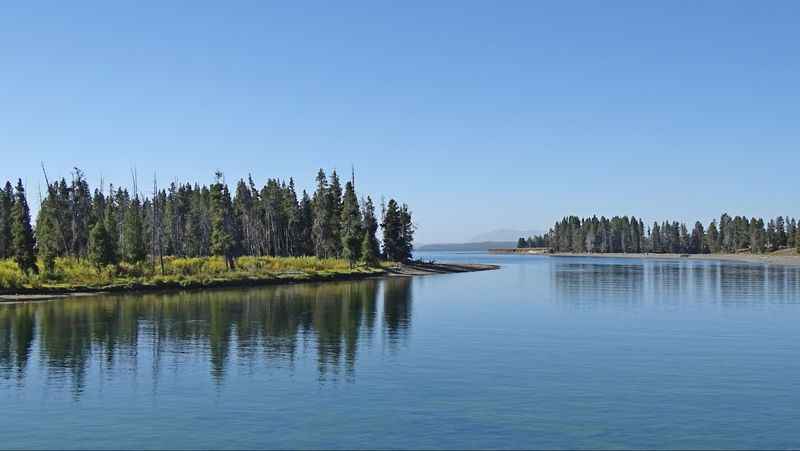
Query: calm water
[547,352]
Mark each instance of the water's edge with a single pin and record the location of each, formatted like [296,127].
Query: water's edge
[783,260]
[402,270]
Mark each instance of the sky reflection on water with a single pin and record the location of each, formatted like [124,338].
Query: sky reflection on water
[546,352]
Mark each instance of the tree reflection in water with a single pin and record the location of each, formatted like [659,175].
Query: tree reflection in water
[590,284]
[273,326]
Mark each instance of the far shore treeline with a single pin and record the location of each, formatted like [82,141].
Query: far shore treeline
[109,227]
[630,235]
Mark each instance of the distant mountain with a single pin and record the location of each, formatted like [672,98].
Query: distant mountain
[504,235]
[466,247]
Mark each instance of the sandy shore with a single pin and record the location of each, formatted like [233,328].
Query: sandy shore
[426,269]
[789,260]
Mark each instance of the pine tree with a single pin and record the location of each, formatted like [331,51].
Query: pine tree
[22,233]
[642,238]
[98,210]
[655,238]
[712,238]
[392,232]
[193,220]
[352,232]
[727,234]
[797,238]
[100,252]
[407,233]
[780,232]
[772,236]
[133,245]
[335,215]
[243,211]
[683,239]
[293,219]
[112,230]
[635,236]
[6,205]
[47,239]
[222,240]
[197,227]
[697,240]
[757,236]
[306,223]
[80,211]
[370,248]
[321,231]
[742,232]
[275,225]
[398,232]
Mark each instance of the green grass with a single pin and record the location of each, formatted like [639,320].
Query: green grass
[76,275]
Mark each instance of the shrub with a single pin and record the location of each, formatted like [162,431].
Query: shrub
[10,275]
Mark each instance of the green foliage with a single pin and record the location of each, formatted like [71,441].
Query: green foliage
[370,248]
[47,233]
[80,201]
[407,233]
[109,219]
[115,233]
[133,246]
[222,232]
[323,211]
[757,236]
[797,239]
[22,233]
[624,235]
[101,252]
[712,238]
[72,273]
[352,230]
[305,242]
[398,232]
[10,275]
[334,215]
[391,232]
[697,240]
[6,204]
[771,236]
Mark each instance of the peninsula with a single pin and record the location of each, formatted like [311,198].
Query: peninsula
[189,236]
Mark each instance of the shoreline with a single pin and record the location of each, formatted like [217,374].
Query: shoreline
[402,270]
[430,269]
[785,260]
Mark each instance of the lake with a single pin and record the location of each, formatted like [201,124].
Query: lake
[545,352]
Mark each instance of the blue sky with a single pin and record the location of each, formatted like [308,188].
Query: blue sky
[480,115]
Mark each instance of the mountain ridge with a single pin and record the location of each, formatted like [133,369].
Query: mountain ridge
[469,247]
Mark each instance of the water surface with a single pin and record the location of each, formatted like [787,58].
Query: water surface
[546,352]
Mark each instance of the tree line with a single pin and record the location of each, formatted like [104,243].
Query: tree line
[190,220]
[630,235]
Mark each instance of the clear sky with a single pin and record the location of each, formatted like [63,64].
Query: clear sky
[480,115]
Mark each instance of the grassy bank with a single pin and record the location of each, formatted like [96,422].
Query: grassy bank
[72,275]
